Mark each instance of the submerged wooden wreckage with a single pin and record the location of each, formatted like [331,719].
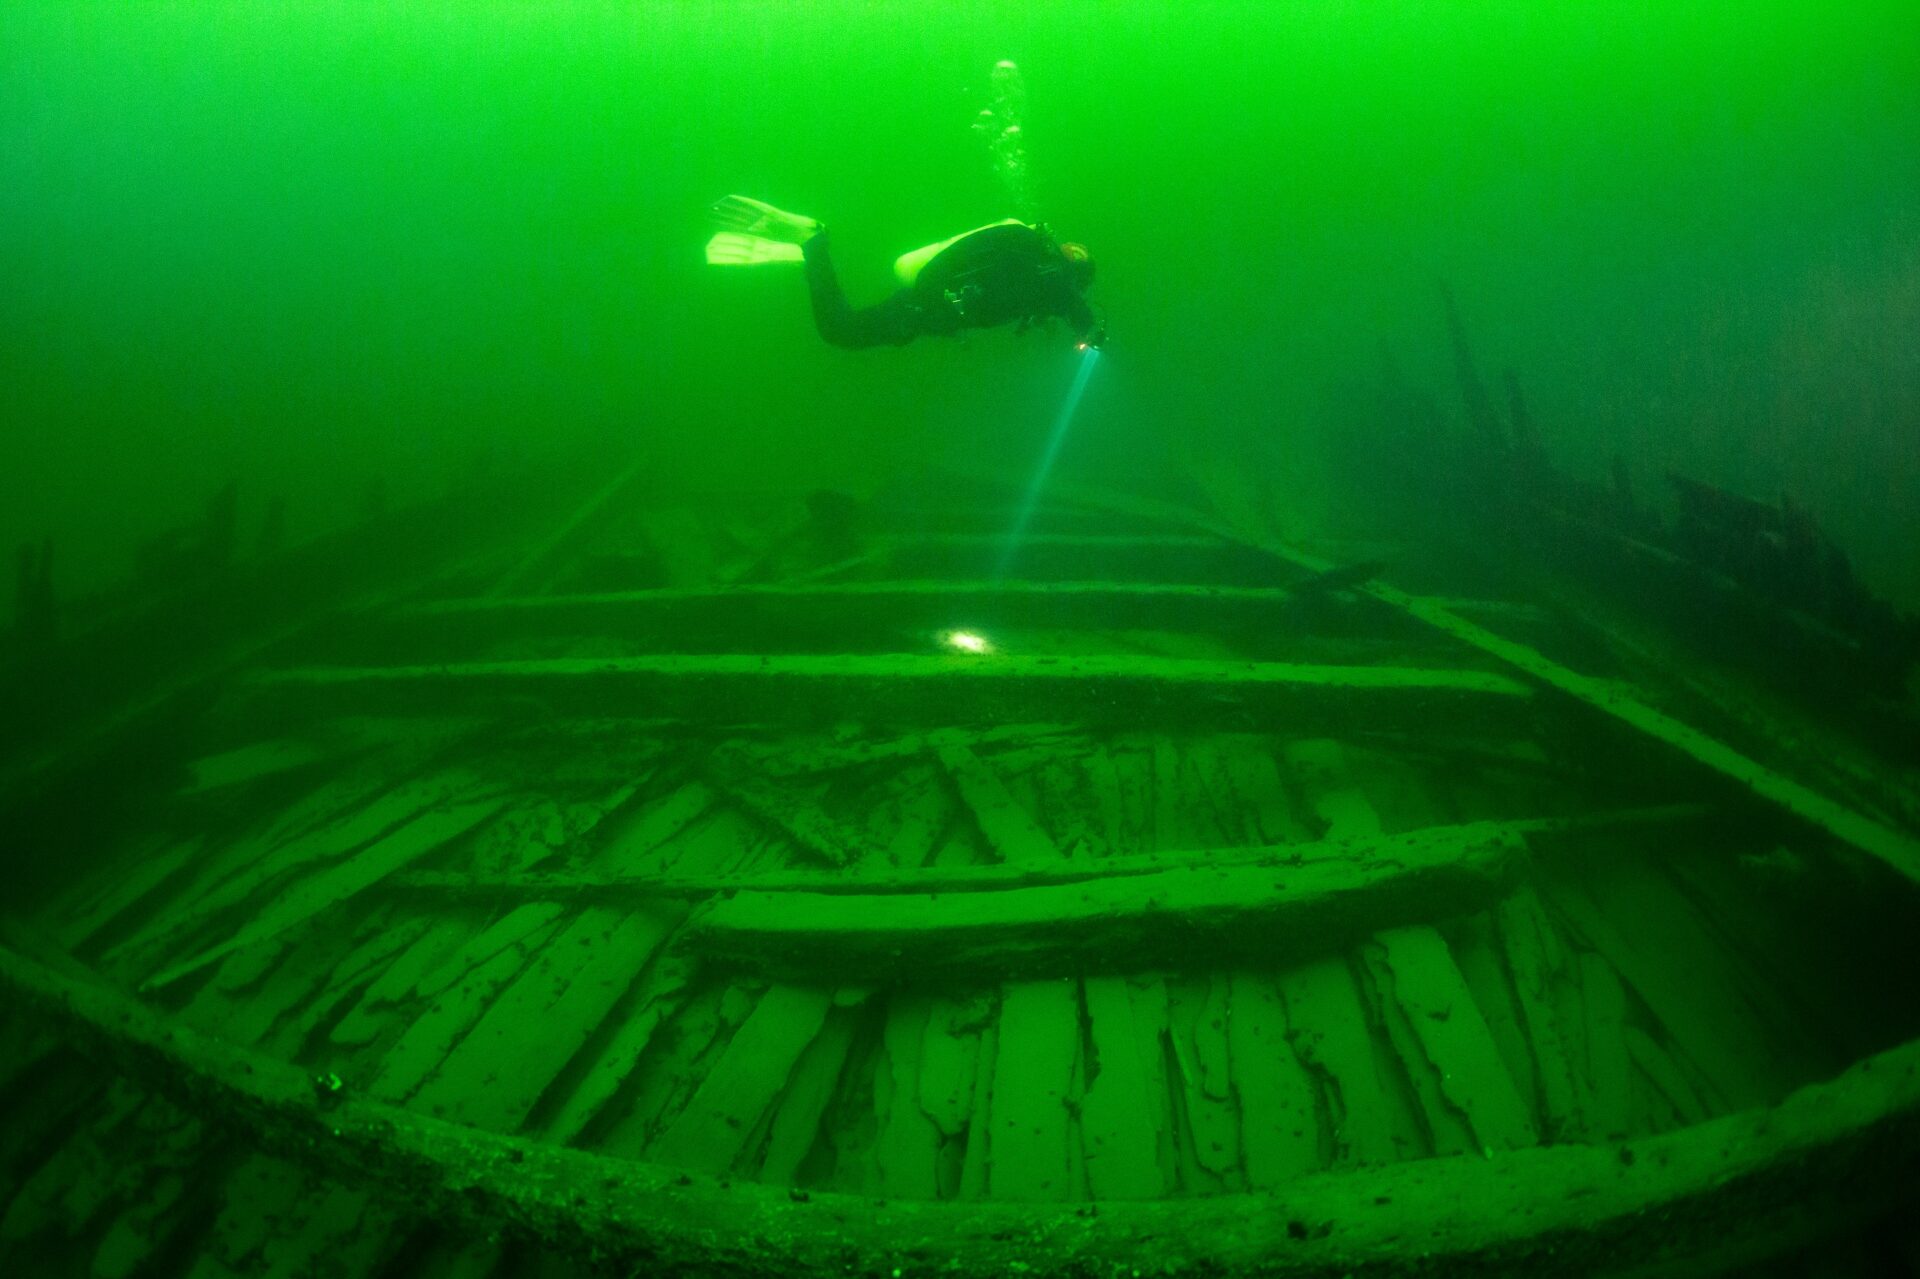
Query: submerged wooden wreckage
[683,900]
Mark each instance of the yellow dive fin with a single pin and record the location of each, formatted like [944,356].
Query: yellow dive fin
[731,248]
[906,267]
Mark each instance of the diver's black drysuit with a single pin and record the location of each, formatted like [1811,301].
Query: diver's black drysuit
[995,275]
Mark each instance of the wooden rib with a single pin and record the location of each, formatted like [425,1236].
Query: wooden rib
[946,876]
[1134,922]
[903,688]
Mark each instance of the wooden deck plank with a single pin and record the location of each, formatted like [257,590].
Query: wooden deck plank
[907,1147]
[650,1002]
[1476,949]
[1898,849]
[493,1077]
[1610,1066]
[1210,1131]
[1540,965]
[1822,1152]
[711,1132]
[459,996]
[1116,1120]
[1039,1034]
[796,1120]
[1331,1035]
[340,881]
[1444,1127]
[1455,1038]
[1008,827]
[1683,980]
[1279,1109]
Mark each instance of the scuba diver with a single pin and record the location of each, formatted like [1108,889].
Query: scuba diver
[1004,273]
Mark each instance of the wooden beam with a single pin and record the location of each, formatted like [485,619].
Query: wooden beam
[1133,923]
[999,875]
[1831,1154]
[717,689]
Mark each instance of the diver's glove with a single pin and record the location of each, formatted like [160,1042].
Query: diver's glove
[1094,338]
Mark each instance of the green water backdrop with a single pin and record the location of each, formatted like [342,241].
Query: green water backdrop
[311,244]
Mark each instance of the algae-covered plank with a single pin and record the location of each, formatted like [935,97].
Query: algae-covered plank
[1279,1109]
[341,881]
[129,888]
[1210,1136]
[791,808]
[1116,1125]
[458,1004]
[649,1003]
[906,1149]
[302,836]
[1610,1065]
[1665,1076]
[1329,1030]
[677,1062]
[1683,980]
[1009,829]
[1446,1129]
[810,1088]
[636,840]
[1254,774]
[709,1135]
[1539,965]
[1476,949]
[1455,1039]
[1039,1033]
[493,1077]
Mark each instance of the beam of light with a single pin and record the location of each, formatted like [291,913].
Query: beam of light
[968,642]
[1062,423]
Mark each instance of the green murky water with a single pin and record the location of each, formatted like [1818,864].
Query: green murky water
[306,245]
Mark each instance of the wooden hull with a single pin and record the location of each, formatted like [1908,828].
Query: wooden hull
[1206,927]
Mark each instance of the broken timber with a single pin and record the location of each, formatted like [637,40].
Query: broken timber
[1131,923]
[1843,1149]
[899,687]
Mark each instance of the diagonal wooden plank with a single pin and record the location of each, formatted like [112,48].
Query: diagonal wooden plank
[341,881]
[711,1132]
